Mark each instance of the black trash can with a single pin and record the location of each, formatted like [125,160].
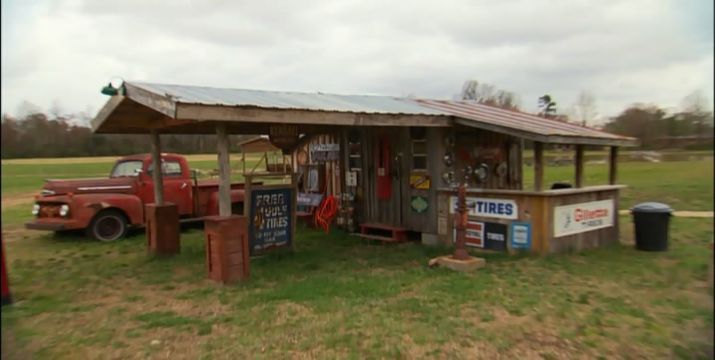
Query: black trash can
[652,222]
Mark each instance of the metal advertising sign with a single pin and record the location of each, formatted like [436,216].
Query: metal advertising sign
[350,178]
[324,152]
[578,218]
[486,207]
[496,236]
[474,235]
[420,181]
[308,199]
[419,204]
[271,219]
[485,235]
[520,235]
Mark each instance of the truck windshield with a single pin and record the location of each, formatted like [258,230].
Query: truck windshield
[126,168]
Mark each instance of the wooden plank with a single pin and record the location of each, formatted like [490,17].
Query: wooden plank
[520,165]
[613,165]
[579,166]
[378,237]
[151,100]
[538,166]
[157,175]
[224,166]
[108,109]
[293,116]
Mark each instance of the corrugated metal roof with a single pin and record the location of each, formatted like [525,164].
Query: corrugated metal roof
[515,119]
[465,112]
[288,100]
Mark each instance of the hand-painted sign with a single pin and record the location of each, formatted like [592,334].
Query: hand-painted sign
[420,181]
[271,219]
[520,235]
[578,218]
[324,152]
[490,236]
[486,207]
[419,204]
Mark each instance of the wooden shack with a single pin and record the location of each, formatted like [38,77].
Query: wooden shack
[400,159]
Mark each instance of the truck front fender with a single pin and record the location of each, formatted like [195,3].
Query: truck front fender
[85,206]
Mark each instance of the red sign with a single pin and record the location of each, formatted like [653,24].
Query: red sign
[474,235]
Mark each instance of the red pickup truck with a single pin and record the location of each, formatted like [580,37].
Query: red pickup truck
[107,207]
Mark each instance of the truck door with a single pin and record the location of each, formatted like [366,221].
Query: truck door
[177,185]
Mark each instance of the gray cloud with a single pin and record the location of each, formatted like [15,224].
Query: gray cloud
[622,52]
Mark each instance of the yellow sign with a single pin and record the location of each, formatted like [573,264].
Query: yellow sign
[420,181]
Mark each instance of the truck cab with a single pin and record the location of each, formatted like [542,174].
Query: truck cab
[106,208]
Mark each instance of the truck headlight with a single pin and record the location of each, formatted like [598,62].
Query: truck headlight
[35,209]
[64,210]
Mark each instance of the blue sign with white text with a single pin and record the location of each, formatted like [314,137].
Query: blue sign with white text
[520,235]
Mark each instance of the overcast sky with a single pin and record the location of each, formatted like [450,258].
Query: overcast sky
[62,52]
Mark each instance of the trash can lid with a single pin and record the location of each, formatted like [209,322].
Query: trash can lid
[652,207]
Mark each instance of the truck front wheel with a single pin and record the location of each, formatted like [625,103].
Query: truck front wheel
[108,225]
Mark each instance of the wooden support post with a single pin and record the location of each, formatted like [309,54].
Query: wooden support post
[613,165]
[579,166]
[224,167]
[157,175]
[538,166]
[243,160]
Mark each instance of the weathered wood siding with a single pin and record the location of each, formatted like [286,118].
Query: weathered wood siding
[397,210]
[473,147]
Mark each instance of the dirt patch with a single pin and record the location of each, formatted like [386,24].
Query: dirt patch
[17,199]
[11,233]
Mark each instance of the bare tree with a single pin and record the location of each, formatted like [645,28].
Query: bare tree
[696,109]
[489,94]
[27,108]
[585,108]
[695,102]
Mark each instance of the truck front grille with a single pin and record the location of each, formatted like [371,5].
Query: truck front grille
[49,211]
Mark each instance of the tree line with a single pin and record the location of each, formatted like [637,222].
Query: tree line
[691,127]
[39,135]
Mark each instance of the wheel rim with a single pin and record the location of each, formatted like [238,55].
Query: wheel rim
[108,228]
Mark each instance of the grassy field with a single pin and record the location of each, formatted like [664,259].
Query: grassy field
[336,297]
[684,185]
[23,175]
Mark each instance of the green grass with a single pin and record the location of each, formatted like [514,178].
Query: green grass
[20,178]
[334,296]
[685,185]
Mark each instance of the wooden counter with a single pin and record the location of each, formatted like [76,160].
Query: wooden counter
[563,220]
